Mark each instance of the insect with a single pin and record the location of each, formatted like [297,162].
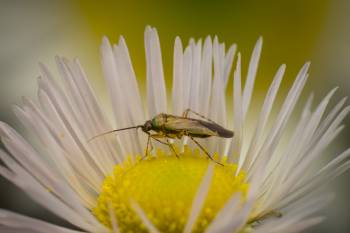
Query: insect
[263,216]
[166,126]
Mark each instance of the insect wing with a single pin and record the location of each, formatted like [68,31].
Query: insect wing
[193,126]
[218,129]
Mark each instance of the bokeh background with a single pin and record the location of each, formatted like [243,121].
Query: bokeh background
[294,31]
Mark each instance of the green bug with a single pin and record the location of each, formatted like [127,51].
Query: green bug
[170,127]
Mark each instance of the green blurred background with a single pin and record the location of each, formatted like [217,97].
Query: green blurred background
[293,32]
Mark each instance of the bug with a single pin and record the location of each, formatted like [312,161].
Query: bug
[166,126]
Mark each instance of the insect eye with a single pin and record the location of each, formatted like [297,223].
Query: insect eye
[148,125]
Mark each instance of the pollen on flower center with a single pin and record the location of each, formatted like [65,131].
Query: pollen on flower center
[165,186]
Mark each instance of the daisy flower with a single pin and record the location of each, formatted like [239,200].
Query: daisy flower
[105,185]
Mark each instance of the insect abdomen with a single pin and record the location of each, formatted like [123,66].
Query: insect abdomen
[226,133]
[199,135]
[219,130]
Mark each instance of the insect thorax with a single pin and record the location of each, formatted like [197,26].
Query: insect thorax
[159,120]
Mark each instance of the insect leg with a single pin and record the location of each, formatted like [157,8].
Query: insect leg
[159,140]
[148,143]
[154,136]
[185,114]
[172,148]
[205,151]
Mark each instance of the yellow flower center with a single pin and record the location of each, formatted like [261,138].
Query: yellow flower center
[165,186]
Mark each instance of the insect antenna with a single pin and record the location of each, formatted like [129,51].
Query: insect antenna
[113,131]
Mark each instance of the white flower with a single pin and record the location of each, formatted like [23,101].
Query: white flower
[72,177]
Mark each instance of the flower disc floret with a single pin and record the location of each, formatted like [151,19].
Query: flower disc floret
[165,186]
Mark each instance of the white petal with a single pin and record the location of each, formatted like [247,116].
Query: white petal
[195,76]
[232,217]
[139,211]
[218,100]
[95,114]
[54,143]
[206,77]
[155,77]
[224,215]
[304,224]
[252,70]
[133,88]
[40,194]
[130,92]
[312,155]
[187,71]
[229,62]
[282,118]
[289,227]
[297,212]
[308,132]
[264,116]
[321,178]
[15,223]
[273,183]
[217,111]
[34,163]
[178,78]
[299,147]
[238,121]
[55,103]
[116,86]
[113,219]
[71,137]
[199,199]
